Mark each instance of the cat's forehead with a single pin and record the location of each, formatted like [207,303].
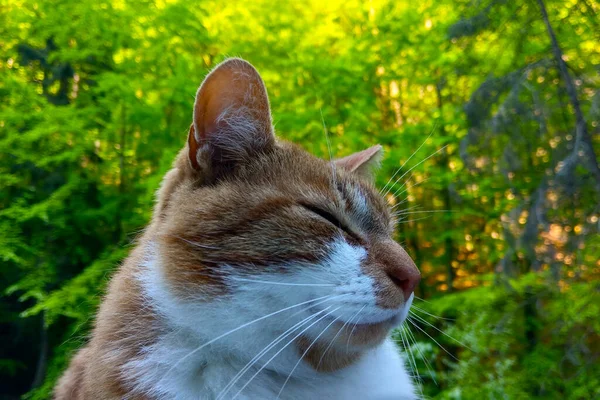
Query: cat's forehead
[291,165]
[300,174]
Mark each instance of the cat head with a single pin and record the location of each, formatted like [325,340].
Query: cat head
[249,226]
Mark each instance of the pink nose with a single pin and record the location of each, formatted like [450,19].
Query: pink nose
[395,271]
[405,277]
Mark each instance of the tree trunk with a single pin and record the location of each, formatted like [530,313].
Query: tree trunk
[122,143]
[122,131]
[582,138]
[445,193]
[40,371]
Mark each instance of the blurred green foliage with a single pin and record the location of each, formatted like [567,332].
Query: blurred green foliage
[96,99]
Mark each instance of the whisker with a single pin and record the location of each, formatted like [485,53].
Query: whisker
[413,208]
[353,328]
[403,164]
[280,350]
[197,349]
[257,357]
[283,283]
[303,355]
[430,337]
[427,364]
[411,357]
[414,360]
[431,315]
[419,378]
[402,221]
[400,203]
[415,166]
[336,336]
[404,183]
[396,194]
[421,212]
[440,331]
[196,244]
[316,304]
[333,170]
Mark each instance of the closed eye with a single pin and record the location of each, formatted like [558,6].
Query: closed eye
[326,215]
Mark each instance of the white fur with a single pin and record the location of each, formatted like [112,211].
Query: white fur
[177,367]
[359,202]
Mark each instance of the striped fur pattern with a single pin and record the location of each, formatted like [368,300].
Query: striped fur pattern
[265,272]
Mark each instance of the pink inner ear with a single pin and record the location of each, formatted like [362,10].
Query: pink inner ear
[232,118]
[235,88]
[362,160]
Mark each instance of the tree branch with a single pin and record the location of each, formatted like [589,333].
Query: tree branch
[582,138]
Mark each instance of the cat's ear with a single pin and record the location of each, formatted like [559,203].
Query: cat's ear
[363,163]
[232,119]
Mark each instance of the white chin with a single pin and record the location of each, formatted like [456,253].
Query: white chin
[395,317]
[405,309]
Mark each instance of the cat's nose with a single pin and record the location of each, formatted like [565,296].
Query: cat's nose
[395,273]
[405,276]
[400,269]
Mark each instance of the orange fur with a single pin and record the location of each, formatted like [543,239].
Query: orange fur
[240,206]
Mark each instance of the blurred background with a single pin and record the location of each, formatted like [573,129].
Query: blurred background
[499,99]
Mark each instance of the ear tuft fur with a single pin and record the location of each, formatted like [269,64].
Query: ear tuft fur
[232,118]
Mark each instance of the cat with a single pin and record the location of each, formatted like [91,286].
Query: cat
[265,272]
